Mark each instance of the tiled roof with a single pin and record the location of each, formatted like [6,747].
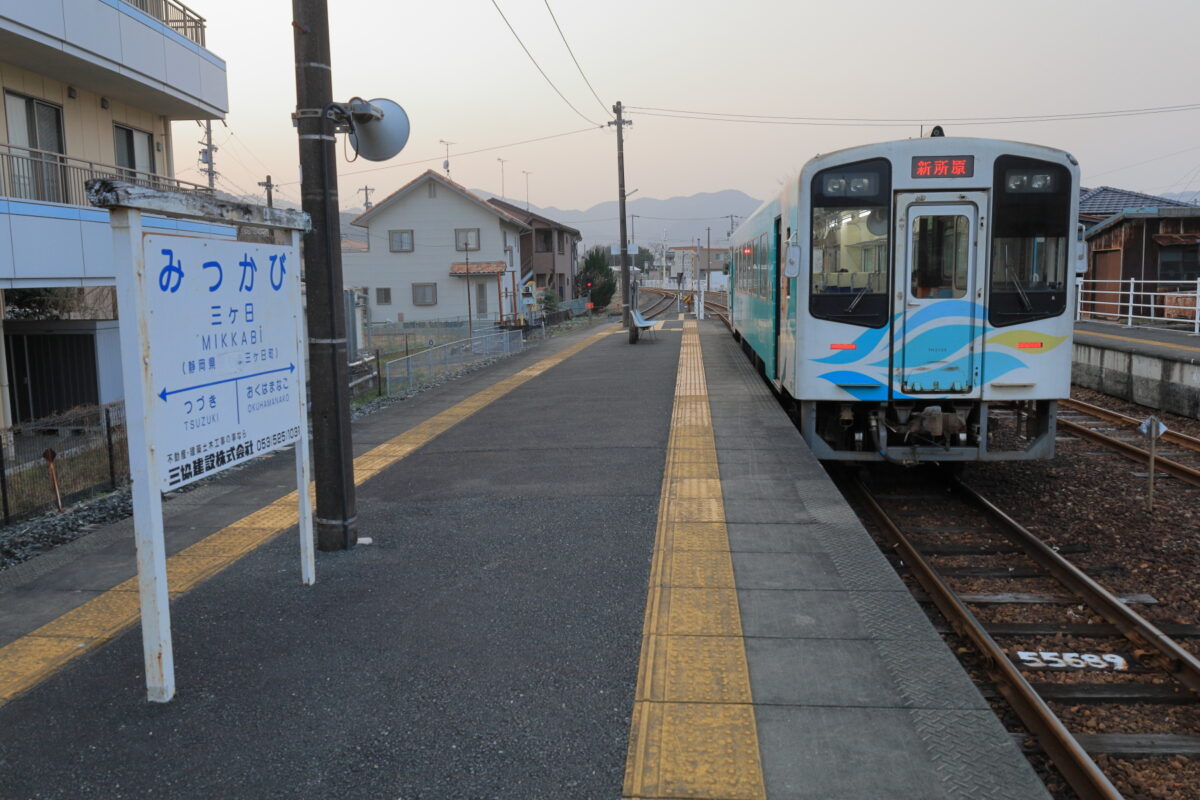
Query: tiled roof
[478,268]
[527,217]
[1105,200]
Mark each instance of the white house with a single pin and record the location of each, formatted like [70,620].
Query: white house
[88,88]
[436,251]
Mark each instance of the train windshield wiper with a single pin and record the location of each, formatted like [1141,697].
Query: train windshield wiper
[857,298]
[1025,302]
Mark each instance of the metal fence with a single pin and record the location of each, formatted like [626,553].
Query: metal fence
[31,174]
[175,16]
[403,375]
[1158,304]
[58,460]
[409,337]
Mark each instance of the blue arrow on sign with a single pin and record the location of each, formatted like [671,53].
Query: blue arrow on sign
[164,394]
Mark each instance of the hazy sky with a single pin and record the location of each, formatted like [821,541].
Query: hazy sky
[462,76]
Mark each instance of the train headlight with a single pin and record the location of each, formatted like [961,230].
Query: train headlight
[863,184]
[1024,181]
[835,186]
[1016,181]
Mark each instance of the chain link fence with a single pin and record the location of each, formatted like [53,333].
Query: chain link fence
[56,461]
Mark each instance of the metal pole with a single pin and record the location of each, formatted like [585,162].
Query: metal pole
[378,374]
[112,466]
[626,300]
[1153,429]
[337,513]
[4,475]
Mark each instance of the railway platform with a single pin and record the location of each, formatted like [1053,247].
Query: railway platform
[1153,367]
[596,570]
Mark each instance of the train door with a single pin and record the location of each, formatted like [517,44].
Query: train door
[939,266]
[780,307]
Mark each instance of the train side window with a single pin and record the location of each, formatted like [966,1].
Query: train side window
[940,247]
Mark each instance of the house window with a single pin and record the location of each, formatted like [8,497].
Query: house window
[383,296]
[466,238]
[432,190]
[38,126]
[424,294]
[134,150]
[400,241]
[1179,263]
[545,238]
[562,241]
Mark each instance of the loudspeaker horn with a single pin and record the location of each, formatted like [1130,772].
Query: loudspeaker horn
[380,139]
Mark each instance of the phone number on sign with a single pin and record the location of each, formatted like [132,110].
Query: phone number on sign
[276,439]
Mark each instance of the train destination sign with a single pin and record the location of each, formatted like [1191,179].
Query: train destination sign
[223,325]
[943,166]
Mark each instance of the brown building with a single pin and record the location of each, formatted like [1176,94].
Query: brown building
[1140,238]
[549,250]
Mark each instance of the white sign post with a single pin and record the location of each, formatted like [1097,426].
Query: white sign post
[213,352]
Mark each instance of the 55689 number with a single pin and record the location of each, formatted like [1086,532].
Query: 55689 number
[1054,660]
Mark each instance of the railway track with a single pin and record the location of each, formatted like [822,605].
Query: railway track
[715,303]
[1119,433]
[1061,649]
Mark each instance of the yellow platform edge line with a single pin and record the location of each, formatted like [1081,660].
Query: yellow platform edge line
[30,659]
[1135,340]
[692,731]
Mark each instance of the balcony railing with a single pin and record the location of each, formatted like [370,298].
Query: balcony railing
[30,174]
[175,16]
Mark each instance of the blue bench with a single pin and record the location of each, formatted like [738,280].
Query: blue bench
[640,322]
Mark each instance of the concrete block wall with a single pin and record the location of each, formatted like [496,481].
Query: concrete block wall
[1162,383]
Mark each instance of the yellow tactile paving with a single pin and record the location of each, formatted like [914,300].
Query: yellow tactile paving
[693,730]
[694,750]
[34,657]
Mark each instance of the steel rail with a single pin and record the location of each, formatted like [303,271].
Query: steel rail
[1085,777]
[1174,437]
[1168,655]
[1135,453]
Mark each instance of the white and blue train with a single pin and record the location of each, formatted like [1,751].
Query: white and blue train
[905,297]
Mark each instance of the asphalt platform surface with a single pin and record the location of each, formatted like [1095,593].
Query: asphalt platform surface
[484,645]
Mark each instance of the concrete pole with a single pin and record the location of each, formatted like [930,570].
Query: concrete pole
[337,510]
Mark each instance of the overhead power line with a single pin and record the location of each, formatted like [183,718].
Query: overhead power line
[539,68]
[467,153]
[775,119]
[603,107]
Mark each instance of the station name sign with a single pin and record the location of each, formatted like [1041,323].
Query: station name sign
[943,166]
[223,330]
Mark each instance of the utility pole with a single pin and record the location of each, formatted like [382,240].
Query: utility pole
[206,155]
[269,187]
[366,193]
[527,174]
[502,160]
[337,508]
[626,300]
[708,261]
[731,226]
[446,163]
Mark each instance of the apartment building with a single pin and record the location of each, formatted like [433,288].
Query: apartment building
[88,88]
[549,251]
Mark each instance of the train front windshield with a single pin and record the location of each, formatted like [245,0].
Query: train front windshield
[850,223]
[1031,222]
